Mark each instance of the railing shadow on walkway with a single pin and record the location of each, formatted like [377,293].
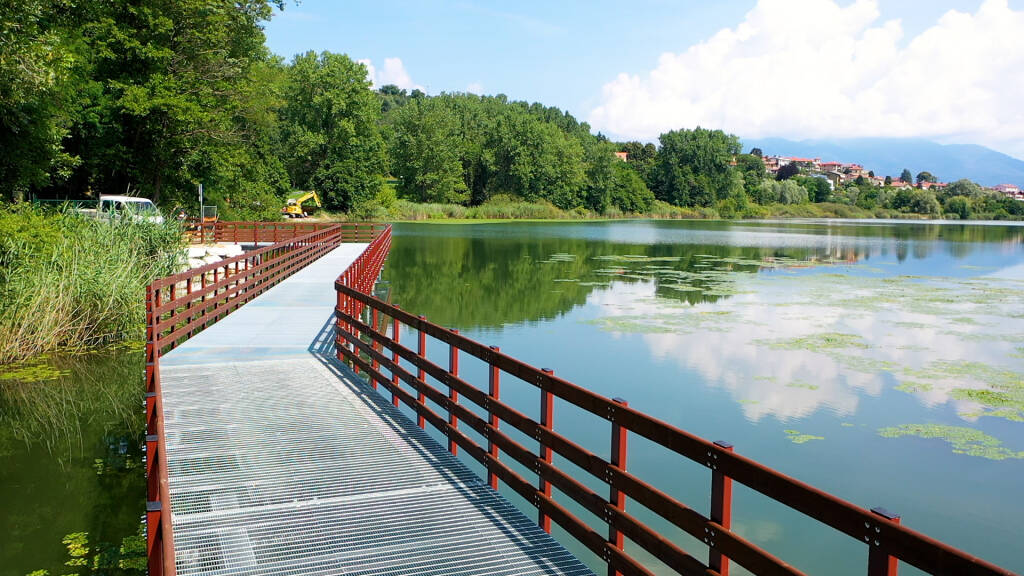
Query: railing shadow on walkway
[453,471]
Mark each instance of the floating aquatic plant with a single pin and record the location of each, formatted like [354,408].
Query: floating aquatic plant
[817,342]
[797,438]
[802,384]
[964,440]
[36,370]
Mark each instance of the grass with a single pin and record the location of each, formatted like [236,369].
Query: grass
[67,281]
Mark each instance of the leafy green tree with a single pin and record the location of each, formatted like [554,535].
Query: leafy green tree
[391,97]
[692,167]
[36,96]
[818,188]
[786,172]
[331,137]
[888,180]
[752,168]
[959,205]
[600,168]
[630,194]
[756,152]
[963,187]
[425,153]
[906,176]
[640,157]
[926,177]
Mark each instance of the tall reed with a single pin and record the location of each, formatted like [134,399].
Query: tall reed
[73,282]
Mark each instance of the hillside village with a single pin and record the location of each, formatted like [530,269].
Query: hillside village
[839,173]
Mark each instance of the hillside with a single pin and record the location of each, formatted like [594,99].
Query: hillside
[889,156]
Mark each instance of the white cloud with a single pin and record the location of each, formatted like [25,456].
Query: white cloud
[475,88]
[394,72]
[813,68]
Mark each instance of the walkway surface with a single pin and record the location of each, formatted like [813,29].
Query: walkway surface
[281,461]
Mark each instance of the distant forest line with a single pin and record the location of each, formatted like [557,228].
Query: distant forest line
[153,99]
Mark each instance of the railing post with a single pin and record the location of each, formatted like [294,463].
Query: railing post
[396,331]
[421,375]
[616,497]
[494,392]
[154,539]
[547,401]
[453,395]
[721,510]
[150,340]
[880,563]
[375,327]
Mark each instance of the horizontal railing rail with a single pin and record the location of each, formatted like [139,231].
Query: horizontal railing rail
[268,232]
[362,340]
[182,305]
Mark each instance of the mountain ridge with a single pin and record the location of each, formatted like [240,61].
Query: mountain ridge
[889,156]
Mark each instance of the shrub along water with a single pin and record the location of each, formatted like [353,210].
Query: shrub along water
[67,281]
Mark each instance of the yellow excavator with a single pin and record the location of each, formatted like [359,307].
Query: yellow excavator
[293,209]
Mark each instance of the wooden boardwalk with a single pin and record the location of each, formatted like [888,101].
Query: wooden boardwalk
[281,461]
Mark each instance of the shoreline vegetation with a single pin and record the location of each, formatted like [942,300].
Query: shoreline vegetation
[68,282]
[509,209]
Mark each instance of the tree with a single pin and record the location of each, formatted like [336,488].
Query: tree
[888,180]
[818,188]
[332,142]
[926,177]
[756,152]
[906,176]
[35,97]
[959,205]
[786,172]
[751,167]
[963,187]
[640,157]
[425,155]
[630,194]
[692,167]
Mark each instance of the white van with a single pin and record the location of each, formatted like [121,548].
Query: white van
[125,207]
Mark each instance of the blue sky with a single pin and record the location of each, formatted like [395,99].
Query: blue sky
[603,61]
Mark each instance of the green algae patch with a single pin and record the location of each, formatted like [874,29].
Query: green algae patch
[964,440]
[796,437]
[802,384]
[37,370]
[680,322]
[911,387]
[818,342]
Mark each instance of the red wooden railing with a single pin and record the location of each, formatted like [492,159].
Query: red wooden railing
[270,232]
[363,341]
[182,305]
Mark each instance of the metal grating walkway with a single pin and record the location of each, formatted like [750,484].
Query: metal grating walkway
[283,462]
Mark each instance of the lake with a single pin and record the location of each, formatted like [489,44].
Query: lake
[880,361]
[71,428]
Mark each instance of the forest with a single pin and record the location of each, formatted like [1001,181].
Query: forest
[154,98]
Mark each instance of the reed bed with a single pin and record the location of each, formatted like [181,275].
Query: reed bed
[70,282]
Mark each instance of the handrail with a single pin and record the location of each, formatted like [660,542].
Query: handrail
[182,305]
[270,232]
[363,342]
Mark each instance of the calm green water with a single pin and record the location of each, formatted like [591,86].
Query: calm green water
[883,362]
[70,462]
